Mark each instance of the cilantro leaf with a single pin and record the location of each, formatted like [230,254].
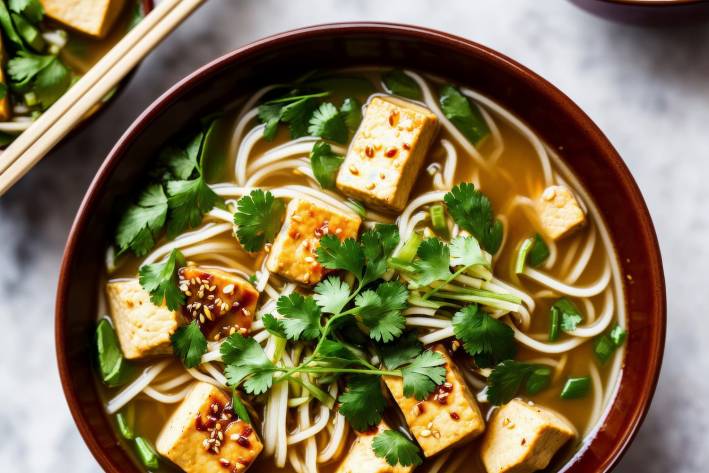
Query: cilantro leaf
[377,246]
[485,338]
[239,407]
[189,344]
[425,372]
[399,83]
[352,111]
[51,82]
[472,211]
[301,316]
[297,115]
[334,352]
[567,312]
[345,255]
[465,251]
[32,10]
[258,218]
[25,66]
[400,351]
[393,446]
[270,116]
[274,325]
[141,223]
[506,380]
[180,163]
[325,164]
[362,403]
[539,251]
[327,122]
[464,114]
[188,202]
[246,360]
[380,310]
[160,280]
[433,263]
[8,27]
[332,295]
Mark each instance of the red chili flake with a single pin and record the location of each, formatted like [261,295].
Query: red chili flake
[455,416]
[244,442]
[369,151]
[247,431]
[394,118]
[524,441]
[391,152]
[406,146]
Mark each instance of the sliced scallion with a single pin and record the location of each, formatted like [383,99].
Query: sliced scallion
[554,325]
[407,253]
[539,251]
[125,423]
[618,335]
[522,255]
[538,380]
[576,388]
[146,453]
[603,348]
[439,221]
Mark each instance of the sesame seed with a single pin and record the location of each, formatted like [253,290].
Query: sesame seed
[425,433]
[188,293]
[430,424]
[220,435]
[246,312]
[208,312]
[370,186]
[232,331]
[234,437]
[242,330]
[297,218]
[228,289]
[354,170]
[201,318]
[309,259]
[212,288]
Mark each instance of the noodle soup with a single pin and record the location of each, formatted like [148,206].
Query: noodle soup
[364,270]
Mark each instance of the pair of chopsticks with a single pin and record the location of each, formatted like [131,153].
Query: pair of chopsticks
[56,122]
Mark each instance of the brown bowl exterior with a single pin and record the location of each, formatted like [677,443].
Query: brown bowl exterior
[549,112]
[649,12]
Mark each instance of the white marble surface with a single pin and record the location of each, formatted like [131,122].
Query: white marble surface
[647,89]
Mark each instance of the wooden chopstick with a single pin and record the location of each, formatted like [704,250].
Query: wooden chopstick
[65,113]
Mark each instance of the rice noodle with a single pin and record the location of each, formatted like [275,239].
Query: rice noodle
[136,387]
[167,398]
[521,127]
[205,232]
[428,322]
[338,436]
[557,347]
[603,321]
[245,148]
[575,291]
[583,259]
[432,104]
[437,336]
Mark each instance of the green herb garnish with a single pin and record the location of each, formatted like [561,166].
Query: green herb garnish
[472,211]
[113,366]
[464,114]
[396,449]
[399,83]
[576,388]
[160,281]
[507,378]
[258,219]
[325,164]
[189,344]
[485,338]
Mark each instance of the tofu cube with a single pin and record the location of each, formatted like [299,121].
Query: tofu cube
[449,416]
[387,152]
[222,303]
[361,457]
[559,212]
[143,328]
[522,438]
[92,17]
[5,111]
[204,435]
[293,254]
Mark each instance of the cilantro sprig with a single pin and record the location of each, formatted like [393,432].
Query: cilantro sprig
[176,199]
[189,344]
[160,281]
[508,377]
[396,448]
[258,219]
[485,338]
[472,211]
[372,305]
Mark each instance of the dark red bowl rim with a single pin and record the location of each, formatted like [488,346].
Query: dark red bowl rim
[583,461]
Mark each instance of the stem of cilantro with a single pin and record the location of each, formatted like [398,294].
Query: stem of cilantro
[302,369]
[442,285]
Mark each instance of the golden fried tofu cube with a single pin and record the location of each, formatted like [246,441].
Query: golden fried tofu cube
[293,254]
[387,152]
[449,416]
[143,328]
[522,438]
[221,303]
[559,212]
[361,457]
[204,435]
[92,17]
[5,111]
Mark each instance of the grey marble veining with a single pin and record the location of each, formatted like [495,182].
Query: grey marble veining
[647,89]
